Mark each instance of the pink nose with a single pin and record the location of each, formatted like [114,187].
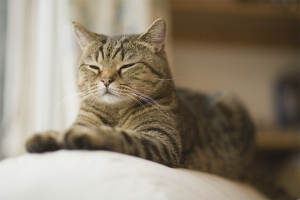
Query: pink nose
[107,80]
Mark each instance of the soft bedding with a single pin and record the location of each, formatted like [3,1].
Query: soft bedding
[88,175]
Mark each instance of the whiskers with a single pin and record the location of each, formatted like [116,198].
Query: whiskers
[91,96]
[140,97]
[139,102]
[93,91]
[170,79]
[79,95]
[62,111]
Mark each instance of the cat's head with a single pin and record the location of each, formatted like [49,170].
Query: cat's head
[127,68]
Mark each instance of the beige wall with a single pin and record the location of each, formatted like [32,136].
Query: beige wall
[250,72]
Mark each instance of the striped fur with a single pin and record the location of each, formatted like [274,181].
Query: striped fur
[130,105]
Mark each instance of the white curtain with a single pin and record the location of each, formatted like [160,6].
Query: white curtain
[41,55]
[39,71]
[113,17]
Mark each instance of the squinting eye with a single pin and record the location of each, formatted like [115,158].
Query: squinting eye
[94,67]
[126,67]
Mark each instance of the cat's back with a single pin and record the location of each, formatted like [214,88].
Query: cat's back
[191,99]
[222,133]
[216,105]
[194,103]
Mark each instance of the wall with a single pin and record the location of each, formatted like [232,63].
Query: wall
[249,71]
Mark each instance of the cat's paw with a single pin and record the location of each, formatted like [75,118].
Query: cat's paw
[43,142]
[81,138]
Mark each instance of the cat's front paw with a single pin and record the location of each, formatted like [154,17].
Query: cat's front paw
[42,142]
[81,138]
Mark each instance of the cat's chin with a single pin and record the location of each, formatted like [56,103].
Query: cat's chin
[111,99]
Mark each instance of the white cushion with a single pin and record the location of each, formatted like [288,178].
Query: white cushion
[88,175]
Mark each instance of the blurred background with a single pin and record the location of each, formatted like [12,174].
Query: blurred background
[248,47]
[252,49]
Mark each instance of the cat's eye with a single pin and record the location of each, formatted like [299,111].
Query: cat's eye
[94,67]
[124,67]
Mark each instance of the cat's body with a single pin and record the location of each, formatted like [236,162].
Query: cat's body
[221,134]
[130,105]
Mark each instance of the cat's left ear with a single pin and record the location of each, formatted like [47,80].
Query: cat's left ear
[155,36]
[84,37]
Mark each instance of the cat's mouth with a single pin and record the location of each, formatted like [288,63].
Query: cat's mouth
[107,92]
[110,98]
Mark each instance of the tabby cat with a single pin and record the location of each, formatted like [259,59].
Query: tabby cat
[130,105]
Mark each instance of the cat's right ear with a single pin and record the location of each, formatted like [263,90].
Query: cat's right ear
[155,36]
[83,35]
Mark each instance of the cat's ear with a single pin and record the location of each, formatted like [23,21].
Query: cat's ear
[155,36]
[83,35]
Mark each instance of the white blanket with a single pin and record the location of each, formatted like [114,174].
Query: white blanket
[88,175]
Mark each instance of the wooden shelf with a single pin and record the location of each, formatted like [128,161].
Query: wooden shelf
[250,8]
[277,140]
[236,22]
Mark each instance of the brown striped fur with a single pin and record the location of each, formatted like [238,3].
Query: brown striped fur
[130,105]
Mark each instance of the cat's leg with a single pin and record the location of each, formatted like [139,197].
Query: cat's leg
[53,140]
[155,145]
[42,142]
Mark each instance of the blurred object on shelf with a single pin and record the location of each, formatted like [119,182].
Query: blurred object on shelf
[278,140]
[287,100]
[284,5]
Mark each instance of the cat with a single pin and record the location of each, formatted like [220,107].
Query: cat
[130,105]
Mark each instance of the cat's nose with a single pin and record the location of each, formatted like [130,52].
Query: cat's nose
[107,80]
